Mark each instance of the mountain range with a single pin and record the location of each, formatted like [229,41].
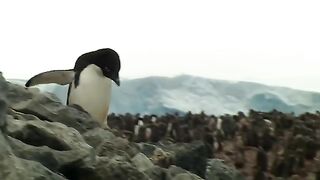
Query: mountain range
[159,95]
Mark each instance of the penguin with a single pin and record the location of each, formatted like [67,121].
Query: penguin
[90,82]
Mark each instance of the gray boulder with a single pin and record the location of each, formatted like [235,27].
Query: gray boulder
[48,107]
[177,173]
[115,168]
[217,170]
[119,170]
[147,149]
[54,145]
[142,162]
[189,156]
[172,173]
[117,146]
[186,176]
[11,113]
[3,104]
[157,173]
[95,137]
[14,168]
[156,154]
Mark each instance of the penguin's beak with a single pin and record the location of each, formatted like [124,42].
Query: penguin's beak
[117,81]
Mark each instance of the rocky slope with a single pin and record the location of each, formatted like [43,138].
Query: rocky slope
[42,139]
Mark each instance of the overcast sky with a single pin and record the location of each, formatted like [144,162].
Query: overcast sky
[271,42]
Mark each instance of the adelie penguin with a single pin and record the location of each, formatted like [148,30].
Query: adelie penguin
[89,81]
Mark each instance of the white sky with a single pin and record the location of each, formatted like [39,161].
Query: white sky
[274,42]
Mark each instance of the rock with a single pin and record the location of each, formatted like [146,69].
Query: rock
[177,173]
[72,117]
[157,155]
[147,149]
[174,171]
[97,136]
[3,104]
[117,146]
[48,107]
[217,170]
[42,133]
[156,173]
[142,162]
[17,94]
[52,159]
[14,168]
[186,176]
[119,170]
[111,169]
[21,116]
[54,145]
[189,156]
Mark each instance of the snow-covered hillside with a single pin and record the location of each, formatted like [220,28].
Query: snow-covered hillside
[159,95]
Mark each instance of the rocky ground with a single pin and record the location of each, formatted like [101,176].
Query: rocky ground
[42,139]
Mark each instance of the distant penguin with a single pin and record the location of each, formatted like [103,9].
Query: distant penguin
[89,81]
[153,119]
[148,134]
[219,123]
[137,127]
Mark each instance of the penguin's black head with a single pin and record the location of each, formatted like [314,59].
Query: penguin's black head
[107,59]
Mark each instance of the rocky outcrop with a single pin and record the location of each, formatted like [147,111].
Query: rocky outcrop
[142,162]
[3,103]
[54,145]
[216,169]
[13,167]
[177,173]
[42,139]
[95,137]
[47,107]
[190,156]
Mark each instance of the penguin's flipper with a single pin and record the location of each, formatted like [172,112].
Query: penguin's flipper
[62,77]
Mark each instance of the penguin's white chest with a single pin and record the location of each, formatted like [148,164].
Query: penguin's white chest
[93,93]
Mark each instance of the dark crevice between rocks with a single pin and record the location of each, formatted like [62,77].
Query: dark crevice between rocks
[34,136]
[78,171]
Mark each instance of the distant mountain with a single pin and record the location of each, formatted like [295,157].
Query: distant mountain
[160,95]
